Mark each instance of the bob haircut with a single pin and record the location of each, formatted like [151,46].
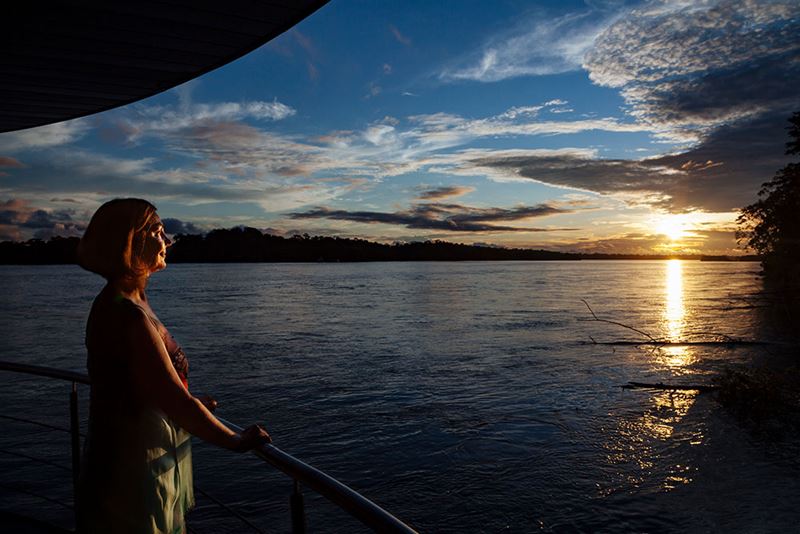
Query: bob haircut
[112,243]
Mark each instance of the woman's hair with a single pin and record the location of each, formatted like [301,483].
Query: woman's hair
[112,243]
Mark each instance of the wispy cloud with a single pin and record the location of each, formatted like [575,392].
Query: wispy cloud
[148,120]
[440,193]
[402,39]
[391,147]
[387,147]
[537,46]
[61,133]
[9,162]
[94,177]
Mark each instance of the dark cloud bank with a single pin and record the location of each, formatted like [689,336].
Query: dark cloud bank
[18,218]
[449,217]
[176,226]
[722,173]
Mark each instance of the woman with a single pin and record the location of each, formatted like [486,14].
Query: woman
[137,474]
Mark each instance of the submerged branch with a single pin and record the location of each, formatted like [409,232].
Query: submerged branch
[722,339]
[596,318]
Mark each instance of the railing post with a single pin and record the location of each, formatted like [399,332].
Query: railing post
[297,508]
[74,430]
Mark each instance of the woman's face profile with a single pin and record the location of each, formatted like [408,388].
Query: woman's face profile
[154,248]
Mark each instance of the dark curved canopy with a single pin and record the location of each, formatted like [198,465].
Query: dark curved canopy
[65,59]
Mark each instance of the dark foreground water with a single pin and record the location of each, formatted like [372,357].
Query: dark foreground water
[463,397]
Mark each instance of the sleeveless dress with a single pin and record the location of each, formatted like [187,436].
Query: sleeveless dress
[136,474]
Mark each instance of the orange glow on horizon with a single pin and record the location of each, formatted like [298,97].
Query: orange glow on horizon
[673,226]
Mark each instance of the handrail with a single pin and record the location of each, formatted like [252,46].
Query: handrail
[343,496]
[366,511]
[50,372]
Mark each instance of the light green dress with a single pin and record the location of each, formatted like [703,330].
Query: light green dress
[136,474]
[145,486]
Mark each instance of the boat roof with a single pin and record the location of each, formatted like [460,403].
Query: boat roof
[66,59]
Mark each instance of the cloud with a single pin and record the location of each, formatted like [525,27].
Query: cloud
[184,93]
[159,120]
[388,147]
[98,176]
[9,162]
[718,76]
[539,45]
[176,226]
[574,169]
[61,133]
[449,217]
[702,64]
[699,241]
[304,41]
[402,39]
[373,90]
[445,192]
[722,173]
[19,220]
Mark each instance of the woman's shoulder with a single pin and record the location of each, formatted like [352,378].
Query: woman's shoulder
[115,310]
[118,324]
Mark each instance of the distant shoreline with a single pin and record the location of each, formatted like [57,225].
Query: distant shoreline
[242,262]
[249,245]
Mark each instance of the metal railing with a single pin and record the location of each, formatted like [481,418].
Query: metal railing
[302,474]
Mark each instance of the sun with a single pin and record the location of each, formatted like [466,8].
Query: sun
[672,226]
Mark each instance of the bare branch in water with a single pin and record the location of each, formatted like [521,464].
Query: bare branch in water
[596,318]
[724,338]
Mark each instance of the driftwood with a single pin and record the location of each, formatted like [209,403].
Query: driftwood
[702,388]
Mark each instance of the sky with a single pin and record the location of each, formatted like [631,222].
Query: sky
[595,126]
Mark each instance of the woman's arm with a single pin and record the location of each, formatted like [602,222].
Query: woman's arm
[156,381]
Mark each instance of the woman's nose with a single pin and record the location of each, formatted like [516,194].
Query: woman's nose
[167,241]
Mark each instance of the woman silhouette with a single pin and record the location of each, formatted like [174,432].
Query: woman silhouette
[136,476]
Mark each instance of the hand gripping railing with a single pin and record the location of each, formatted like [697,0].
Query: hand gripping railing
[349,500]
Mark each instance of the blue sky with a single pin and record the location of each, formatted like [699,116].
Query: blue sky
[598,126]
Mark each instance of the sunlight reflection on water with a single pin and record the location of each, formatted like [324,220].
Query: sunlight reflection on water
[675,356]
[640,444]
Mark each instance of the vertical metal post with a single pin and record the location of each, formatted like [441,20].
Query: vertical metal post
[297,508]
[74,430]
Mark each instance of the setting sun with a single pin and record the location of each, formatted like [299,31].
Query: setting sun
[672,226]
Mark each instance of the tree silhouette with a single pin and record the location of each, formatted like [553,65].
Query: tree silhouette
[771,226]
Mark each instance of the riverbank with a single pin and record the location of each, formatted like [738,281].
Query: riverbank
[249,245]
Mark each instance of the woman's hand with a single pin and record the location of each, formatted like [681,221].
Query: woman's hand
[208,401]
[252,437]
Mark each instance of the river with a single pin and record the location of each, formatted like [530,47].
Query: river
[462,397]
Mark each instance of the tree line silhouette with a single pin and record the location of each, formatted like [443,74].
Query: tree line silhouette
[243,245]
[771,225]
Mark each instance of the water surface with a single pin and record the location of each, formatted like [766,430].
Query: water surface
[463,397]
